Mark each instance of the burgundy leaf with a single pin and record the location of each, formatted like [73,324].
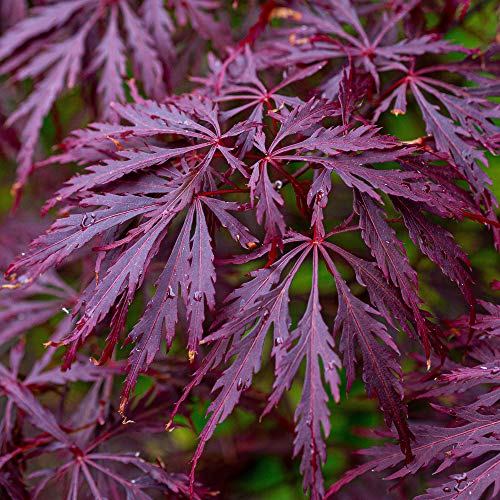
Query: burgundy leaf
[381,372]
[314,343]
[438,245]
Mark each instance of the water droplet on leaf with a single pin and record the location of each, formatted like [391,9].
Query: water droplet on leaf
[87,220]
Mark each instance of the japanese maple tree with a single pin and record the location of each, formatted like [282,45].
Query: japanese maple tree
[235,223]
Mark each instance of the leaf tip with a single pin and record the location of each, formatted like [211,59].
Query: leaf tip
[285,13]
[50,343]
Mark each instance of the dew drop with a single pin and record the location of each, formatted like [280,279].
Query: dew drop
[406,186]
[495,370]
[87,221]
[483,367]
[446,489]
[278,341]
[65,310]
[265,314]
[198,296]
[170,292]
[136,454]
[239,385]
[278,185]
[132,481]
[23,254]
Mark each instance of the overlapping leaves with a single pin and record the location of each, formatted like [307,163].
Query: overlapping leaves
[51,47]
[155,212]
[188,176]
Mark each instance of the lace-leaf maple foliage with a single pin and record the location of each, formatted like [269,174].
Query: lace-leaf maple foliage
[276,162]
[90,42]
[471,434]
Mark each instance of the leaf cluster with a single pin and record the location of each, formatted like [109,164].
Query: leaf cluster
[197,205]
